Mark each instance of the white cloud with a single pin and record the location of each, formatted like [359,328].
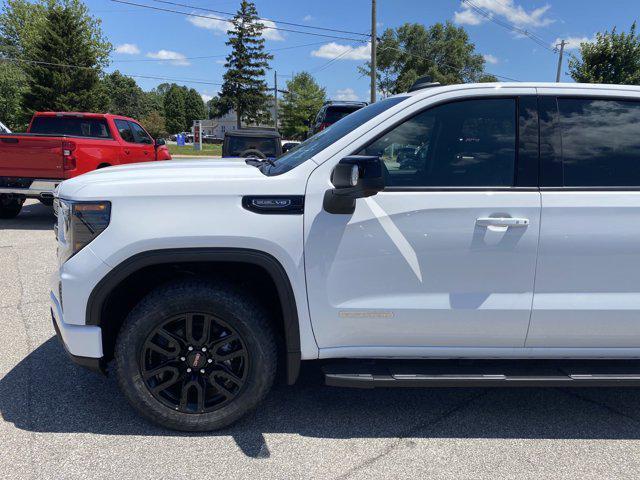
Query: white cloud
[307,18]
[345,52]
[222,25]
[573,43]
[507,9]
[175,58]
[206,97]
[492,59]
[270,33]
[128,49]
[346,94]
[221,62]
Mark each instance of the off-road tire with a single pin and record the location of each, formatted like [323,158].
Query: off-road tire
[10,207]
[249,319]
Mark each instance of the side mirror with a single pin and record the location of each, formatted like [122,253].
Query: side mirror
[356,176]
[160,142]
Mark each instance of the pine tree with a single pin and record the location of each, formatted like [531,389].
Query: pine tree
[194,108]
[244,88]
[174,101]
[68,36]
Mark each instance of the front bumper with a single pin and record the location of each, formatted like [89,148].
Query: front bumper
[83,343]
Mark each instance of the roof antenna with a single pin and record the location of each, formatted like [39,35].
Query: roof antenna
[423,82]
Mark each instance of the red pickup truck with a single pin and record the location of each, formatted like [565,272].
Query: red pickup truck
[62,145]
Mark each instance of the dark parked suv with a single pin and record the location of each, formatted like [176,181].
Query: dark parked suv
[332,111]
[257,142]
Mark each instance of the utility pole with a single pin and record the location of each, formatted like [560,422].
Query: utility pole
[275,97]
[374,38]
[562,44]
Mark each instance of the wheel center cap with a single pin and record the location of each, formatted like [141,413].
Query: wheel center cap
[196,359]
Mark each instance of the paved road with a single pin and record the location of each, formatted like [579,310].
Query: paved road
[59,421]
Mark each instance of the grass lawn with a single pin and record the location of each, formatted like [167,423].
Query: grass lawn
[208,150]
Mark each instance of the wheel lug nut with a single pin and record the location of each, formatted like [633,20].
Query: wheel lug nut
[188,370]
[182,359]
[210,361]
[202,371]
[190,349]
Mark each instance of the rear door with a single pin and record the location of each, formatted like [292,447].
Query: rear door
[137,145]
[588,275]
[31,157]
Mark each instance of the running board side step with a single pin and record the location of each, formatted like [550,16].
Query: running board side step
[482,374]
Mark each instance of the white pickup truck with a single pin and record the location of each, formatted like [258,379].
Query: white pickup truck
[507,234]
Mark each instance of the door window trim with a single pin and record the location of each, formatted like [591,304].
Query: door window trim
[524,179]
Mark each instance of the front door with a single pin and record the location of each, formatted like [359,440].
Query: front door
[445,255]
[137,144]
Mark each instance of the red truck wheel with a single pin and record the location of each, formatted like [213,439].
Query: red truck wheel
[10,206]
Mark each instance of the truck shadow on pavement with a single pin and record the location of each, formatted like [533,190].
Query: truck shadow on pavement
[46,393]
[34,216]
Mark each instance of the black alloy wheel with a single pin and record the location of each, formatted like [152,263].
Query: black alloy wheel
[194,363]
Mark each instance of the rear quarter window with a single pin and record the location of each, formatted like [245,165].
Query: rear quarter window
[333,114]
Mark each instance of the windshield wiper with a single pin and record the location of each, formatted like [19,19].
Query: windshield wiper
[259,162]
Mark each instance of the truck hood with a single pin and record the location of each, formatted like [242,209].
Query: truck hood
[178,177]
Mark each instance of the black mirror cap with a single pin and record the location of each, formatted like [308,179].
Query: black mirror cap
[160,142]
[342,199]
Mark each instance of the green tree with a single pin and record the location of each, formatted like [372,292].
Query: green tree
[124,96]
[194,108]
[244,87]
[612,58]
[442,51]
[154,123]
[12,86]
[174,108]
[20,24]
[300,105]
[67,36]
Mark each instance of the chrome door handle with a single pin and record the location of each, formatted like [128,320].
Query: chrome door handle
[502,222]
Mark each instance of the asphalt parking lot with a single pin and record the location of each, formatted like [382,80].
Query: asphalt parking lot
[59,421]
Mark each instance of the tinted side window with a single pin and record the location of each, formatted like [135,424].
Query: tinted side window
[600,142]
[124,129]
[139,134]
[74,126]
[462,144]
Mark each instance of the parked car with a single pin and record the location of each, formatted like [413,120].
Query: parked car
[4,128]
[60,145]
[513,245]
[256,142]
[332,111]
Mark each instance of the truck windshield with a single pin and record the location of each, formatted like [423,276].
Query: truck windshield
[73,126]
[326,137]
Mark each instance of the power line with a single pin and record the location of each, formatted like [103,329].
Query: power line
[175,4]
[442,64]
[133,75]
[212,56]
[521,31]
[161,9]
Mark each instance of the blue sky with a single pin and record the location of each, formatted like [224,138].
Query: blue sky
[161,44]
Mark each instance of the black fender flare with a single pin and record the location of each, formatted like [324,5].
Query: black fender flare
[100,293]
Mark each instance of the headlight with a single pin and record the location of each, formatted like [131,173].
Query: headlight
[79,223]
